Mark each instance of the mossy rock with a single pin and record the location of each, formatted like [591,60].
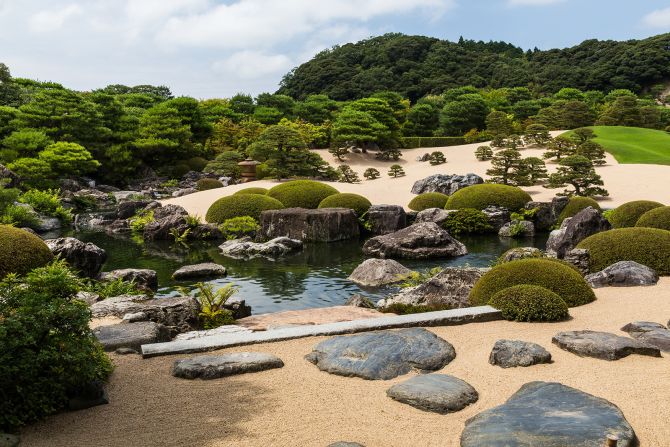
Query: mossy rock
[428,200]
[488,194]
[251,205]
[526,302]
[656,218]
[551,274]
[253,190]
[302,193]
[647,246]
[575,205]
[205,184]
[21,251]
[629,213]
[359,204]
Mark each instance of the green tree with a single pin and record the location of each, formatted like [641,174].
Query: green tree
[534,169]
[624,111]
[34,172]
[593,151]
[577,171]
[26,142]
[163,137]
[371,174]
[422,121]
[339,152]
[316,109]
[560,147]
[503,166]
[537,134]
[469,111]
[396,171]
[498,123]
[283,103]
[347,175]
[437,158]
[242,104]
[225,164]
[484,153]
[68,159]
[384,114]
[583,134]
[10,92]
[569,94]
[358,128]
[267,115]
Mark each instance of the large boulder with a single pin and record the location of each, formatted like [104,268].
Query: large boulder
[623,274]
[146,279]
[450,288]
[418,241]
[582,225]
[437,215]
[654,334]
[513,353]
[385,219]
[439,393]
[517,228]
[163,229]
[602,345]
[131,335]
[85,257]
[128,209]
[497,216]
[215,366]
[516,253]
[547,213]
[580,258]
[196,271]
[378,272]
[382,355]
[549,415]
[307,225]
[445,183]
[245,248]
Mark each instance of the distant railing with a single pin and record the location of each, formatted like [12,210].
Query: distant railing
[415,142]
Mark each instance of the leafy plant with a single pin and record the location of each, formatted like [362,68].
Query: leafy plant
[467,221]
[238,227]
[19,216]
[212,304]
[437,158]
[47,202]
[524,214]
[193,220]
[172,183]
[140,220]
[115,287]
[371,174]
[414,279]
[180,237]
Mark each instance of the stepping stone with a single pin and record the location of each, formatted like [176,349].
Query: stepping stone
[623,274]
[214,366]
[382,355]
[602,345]
[654,334]
[549,415]
[439,393]
[131,335]
[345,444]
[204,270]
[513,353]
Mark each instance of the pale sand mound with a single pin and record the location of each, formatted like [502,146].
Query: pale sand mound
[298,405]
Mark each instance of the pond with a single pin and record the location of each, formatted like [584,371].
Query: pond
[315,277]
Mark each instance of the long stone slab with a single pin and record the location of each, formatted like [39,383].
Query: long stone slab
[451,317]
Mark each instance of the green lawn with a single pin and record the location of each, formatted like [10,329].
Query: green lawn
[634,144]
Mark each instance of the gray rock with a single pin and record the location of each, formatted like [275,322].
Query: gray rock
[320,225]
[516,228]
[548,415]
[439,393]
[514,254]
[184,192]
[143,278]
[88,297]
[125,351]
[135,317]
[46,224]
[580,258]
[245,248]
[602,345]
[10,177]
[437,215]
[163,229]
[653,334]
[378,272]
[623,274]
[385,219]
[513,353]
[582,225]
[225,329]
[382,355]
[128,209]
[131,335]
[358,300]
[547,213]
[87,258]
[418,241]
[208,367]
[422,158]
[345,444]
[87,395]
[7,440]
[204,270]
[446,184]
[497,216]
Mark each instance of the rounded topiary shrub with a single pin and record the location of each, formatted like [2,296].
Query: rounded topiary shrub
[487,194]
[21,251]
[627,215]
[552,274]
[647,246]
[656,218]
[253,190]
[575,205]
[251,205]
[355,202]
[196,163]
[428,200]
[526,302]
[208,183]
[302,193]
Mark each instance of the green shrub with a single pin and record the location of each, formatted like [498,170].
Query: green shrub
[140,220]
[213,312]
[114,287]
[205,184]
[196,163]
[21,251]
[48,203]
[355,202]
[253,190]
[19,216]
[416,278]
[7,197]
[47,348]
[428,200]
[172,183]
[406,309]
[239,206]
[656,218]
[552,274]
[647,246]
[575,205]
[488,194]
[467,221]
[238,227]
[529,303]
[628,214]
[302,193]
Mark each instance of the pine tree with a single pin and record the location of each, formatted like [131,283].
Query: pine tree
[339,152]
[503,166]
[437,158]
[577,171]
[560,147]
[347,175]
[537,134]
[593,151]
[371,174]
[534,168]
[484,153]
[396,171]
[582,135]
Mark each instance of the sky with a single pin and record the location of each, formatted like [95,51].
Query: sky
[217,48]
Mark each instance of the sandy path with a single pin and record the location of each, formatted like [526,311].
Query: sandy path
[625,182]
[300,406]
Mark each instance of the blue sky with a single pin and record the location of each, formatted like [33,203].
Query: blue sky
[216,48]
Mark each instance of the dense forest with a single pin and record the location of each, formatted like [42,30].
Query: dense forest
[415,66]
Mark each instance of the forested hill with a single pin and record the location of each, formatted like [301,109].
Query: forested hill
[415,66]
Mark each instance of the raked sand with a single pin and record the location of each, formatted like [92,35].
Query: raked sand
[298,405]
[625,182]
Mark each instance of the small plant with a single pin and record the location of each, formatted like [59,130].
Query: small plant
[140,220]
[115,287]
[347,175]
[213,312]
[390,154]
[484,153]
[19,216]
[524,214]
[239,227]
[180,238]
[414,279]
[396,171]
[516,229]
[371,174]
[339,152]
[437,158]
[205,184]
[193,220]
[406,309]
[467,221]
[47,202]
[172,183]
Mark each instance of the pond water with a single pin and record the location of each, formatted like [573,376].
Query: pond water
[315,277]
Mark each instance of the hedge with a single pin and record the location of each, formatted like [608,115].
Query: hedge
[526,302]
[205,184]
[251,205]
[656,218]
[627,215]
[428,200]
[487,194]
[302,193]
[359,204]
[21,251]
[416,142]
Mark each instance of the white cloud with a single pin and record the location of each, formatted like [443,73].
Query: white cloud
[533,2]
[253,65]
[658,19]
[52,20]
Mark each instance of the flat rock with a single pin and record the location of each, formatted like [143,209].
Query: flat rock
[513,353]
[245,248]
[143,278]
[378,272]
[385,219]
[85,257]
[623,274]
[437,215]
[439,393]
[445,183]
[358,300]
[422,240]
[130,335]
[225,329]
[382,355]
[602,345]
[345,444]
[215,366]
[320,225]
[654,334]
[204,270]
[545,414]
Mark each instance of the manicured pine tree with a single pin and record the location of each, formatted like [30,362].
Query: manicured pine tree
[437,158]
[577,171]
[371,174]
[583,134]
[339,152]
[534,169]
[537,134]
[396,171]
[347,175]
[560,147]
[503,166]
[593,151]
[484,153]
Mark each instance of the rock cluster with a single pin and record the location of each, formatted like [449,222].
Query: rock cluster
[418,241]
[87,258]
[446,184]
[585,223]
[623,274]
[245,248]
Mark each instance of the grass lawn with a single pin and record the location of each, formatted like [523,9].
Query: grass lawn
[634,144]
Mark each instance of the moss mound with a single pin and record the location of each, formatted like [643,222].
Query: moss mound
[21,251]
[627,215]
[302,193]
[208,183]
[251,205]
[656,218]
[428,200]
[529,303]
[254,190]
[575,205]
[355,202]
[551,274]
[487,194]
[647,246]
